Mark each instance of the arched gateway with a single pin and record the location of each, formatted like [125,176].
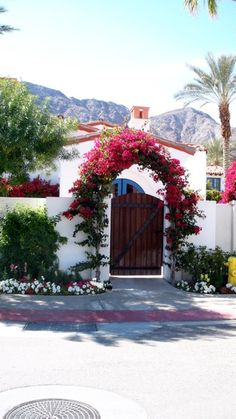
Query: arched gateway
[136,235]
[115,151]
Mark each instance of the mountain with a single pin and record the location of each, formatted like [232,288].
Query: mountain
[184,125]
[187,125]
[84,110]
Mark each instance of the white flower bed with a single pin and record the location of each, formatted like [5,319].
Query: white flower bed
[43,287]
[231,287]
[201,286]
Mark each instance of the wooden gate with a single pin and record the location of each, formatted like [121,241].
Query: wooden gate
[136,235]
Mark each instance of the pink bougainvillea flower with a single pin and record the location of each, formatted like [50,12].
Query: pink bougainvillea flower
[117,150]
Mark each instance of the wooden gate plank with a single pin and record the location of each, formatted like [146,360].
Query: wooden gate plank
[136,235]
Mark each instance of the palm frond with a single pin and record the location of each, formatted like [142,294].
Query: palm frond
[212,7]
[193,6]
[218,85]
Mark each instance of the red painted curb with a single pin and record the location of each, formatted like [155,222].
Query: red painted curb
[108,316]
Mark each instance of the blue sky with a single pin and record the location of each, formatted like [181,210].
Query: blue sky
[132,52]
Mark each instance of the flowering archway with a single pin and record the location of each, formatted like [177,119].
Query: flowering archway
[115,151]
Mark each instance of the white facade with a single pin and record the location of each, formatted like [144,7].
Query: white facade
[195,165]
[82,140]
[192,159]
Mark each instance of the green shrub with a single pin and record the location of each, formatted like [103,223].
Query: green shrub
[59,277]
[28,241]
[198,261]
[213,195]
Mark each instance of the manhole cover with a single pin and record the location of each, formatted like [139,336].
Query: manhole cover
[53,409]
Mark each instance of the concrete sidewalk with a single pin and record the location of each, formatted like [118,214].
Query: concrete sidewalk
[131,300]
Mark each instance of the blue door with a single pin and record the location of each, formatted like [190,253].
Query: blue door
[125,186]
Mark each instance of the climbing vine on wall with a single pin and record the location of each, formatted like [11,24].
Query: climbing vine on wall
[114,151]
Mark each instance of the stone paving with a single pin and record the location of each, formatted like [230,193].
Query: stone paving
[131,300]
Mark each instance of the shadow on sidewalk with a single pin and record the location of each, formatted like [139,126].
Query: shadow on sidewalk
[127,294]
[144,294]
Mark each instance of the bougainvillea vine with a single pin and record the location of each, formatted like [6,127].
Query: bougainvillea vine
[113,152]
[229,193]
[37,187]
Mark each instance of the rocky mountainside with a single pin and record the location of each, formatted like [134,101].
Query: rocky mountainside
[184,125]
[84,110]
[187,125]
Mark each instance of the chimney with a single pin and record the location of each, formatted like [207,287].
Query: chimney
[140,118]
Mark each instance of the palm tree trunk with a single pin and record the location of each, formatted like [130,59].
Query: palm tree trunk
[226,134]
[226,157]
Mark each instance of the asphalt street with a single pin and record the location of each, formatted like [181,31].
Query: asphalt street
[174,370]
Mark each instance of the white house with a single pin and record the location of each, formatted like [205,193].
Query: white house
[136,252]
[193,158]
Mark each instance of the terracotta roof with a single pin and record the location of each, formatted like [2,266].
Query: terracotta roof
[199,147]
[92,130]
[77,139]
[139,107]
[214,170]
[104,123]
[176,145]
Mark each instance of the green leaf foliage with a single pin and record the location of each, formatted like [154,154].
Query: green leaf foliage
[213,195]
[28,240]
[30,137]
[198,261]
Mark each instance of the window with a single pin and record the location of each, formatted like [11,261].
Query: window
[125,186]
[215,183]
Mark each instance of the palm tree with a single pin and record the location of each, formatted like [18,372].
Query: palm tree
[5,28]
[217,86]
[214,149]
[194,4]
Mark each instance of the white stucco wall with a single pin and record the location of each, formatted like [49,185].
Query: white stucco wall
[69,169]
[52,175]
[140,124]
[207,236]
[69,172]
[195,165]
[226,226]
[218,227]
[71,253]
